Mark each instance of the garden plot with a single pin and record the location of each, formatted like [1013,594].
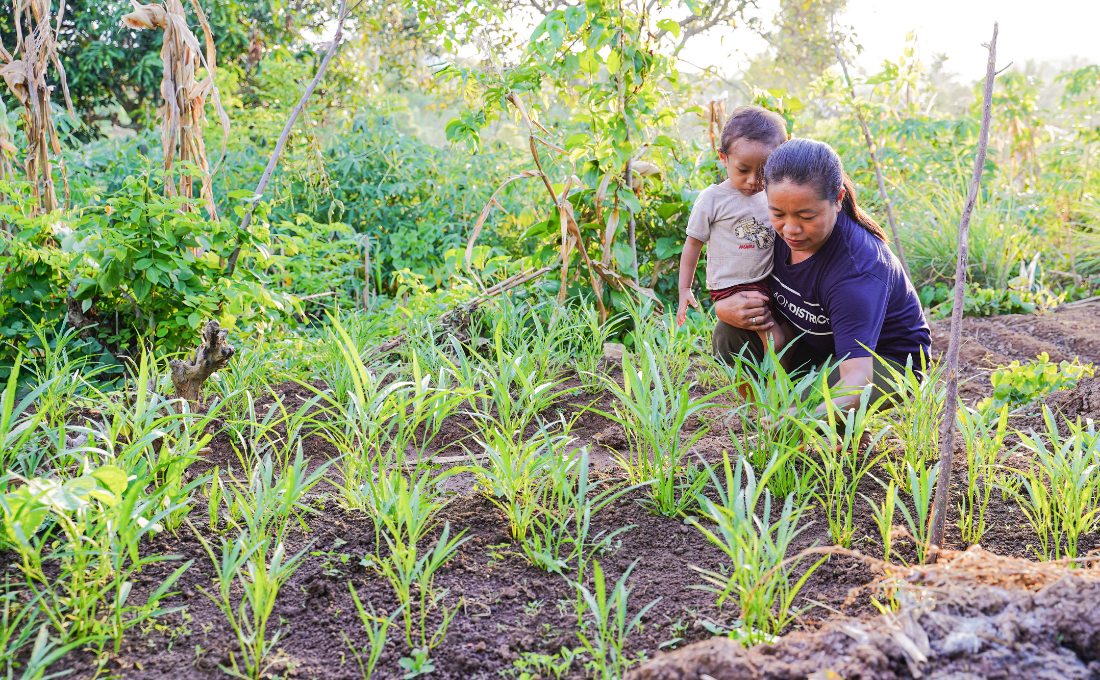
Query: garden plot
[579,521]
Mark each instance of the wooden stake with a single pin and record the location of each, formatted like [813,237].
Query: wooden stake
[278,151]
[947,425]
[874,157]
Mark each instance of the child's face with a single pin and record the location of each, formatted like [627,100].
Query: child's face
[744,161]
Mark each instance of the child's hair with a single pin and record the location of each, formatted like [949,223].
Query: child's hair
[808,161]
[754,123]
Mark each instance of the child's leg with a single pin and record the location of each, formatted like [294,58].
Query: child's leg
[775,337]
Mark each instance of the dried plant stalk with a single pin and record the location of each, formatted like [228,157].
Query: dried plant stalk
[25,76]
[183,115]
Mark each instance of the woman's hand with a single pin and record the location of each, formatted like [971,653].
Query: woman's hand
[686,298]
[748,310]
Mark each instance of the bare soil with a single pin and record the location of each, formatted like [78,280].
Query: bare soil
[507,607]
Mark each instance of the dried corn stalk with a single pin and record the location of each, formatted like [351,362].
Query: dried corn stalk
[183,115]
[36,47]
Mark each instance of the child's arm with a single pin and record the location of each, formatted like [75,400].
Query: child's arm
[689,259]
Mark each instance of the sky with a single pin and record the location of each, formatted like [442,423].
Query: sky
[1050,30]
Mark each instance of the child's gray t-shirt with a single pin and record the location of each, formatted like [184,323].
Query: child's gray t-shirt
[738,234]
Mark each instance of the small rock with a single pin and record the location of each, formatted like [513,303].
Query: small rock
[480,647]
[613,351]
[509,593]
[506,654]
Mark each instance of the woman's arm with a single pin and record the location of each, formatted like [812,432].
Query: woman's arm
[855,374]
[689,260]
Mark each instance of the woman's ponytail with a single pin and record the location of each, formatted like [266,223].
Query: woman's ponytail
[807,161]
[858,215]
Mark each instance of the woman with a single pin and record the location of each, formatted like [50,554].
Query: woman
[835,283]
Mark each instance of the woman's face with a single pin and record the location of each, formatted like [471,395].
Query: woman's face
[801,217]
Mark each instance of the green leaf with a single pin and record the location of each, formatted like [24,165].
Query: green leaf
[613,62]
[579,139]
[590,62]
[670,26]
[111,478]
[575,18]
[556,29]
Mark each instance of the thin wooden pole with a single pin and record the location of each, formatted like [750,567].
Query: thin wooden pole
[947,425]
[874,156]
[278,151]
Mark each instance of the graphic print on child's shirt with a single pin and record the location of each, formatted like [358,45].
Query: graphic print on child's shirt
[752,229]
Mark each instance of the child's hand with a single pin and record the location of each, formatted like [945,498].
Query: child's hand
[686,298]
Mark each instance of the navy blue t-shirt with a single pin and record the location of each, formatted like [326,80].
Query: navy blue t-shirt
[852,291]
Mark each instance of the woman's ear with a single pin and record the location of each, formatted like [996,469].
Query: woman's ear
[840,198]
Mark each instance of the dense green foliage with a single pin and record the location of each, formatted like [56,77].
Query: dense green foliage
[362,205]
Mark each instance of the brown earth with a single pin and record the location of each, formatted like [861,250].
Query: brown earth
[506,607]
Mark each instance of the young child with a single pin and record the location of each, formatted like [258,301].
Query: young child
[732,218]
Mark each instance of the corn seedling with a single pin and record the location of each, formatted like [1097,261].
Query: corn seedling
[916,403]
[984,432]
[884,517]
[566,502]
[843,460]
[589,352]
[758,576]
[512,474]
[781,402]
[512,393]
[244,562]
[605,636]
[652,410]
[412,574]
[266,502]
[922,481]
[376,627]
[1062,485]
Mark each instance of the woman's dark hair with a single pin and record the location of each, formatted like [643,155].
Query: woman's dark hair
[810,162]
[754,123]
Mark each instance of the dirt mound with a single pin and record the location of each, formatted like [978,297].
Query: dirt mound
[1082,400]
[975,615]
[997,340]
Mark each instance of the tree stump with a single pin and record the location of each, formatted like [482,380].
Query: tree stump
[213,354]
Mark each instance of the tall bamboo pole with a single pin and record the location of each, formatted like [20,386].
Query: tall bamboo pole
[871,149]
[947,426]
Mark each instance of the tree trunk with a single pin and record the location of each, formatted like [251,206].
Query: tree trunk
[212,355]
